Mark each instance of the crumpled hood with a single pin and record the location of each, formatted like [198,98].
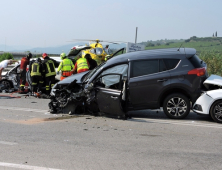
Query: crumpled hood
[213,80]
[70,79]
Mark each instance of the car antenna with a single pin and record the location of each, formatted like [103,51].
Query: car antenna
[179,47]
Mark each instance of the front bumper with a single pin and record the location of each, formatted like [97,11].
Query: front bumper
[203,104]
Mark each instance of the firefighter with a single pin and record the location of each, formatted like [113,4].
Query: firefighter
[66,66]
[23,66]
[36,71]
[81,65]
[49,72]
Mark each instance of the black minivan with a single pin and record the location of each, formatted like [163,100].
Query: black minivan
[169,78]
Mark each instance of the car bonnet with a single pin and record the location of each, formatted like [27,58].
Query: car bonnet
[213,80]
[70,79]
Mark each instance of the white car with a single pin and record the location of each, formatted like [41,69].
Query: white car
[210,102]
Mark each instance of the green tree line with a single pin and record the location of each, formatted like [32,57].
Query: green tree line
[6,56]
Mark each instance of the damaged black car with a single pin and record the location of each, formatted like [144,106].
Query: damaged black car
[139,80]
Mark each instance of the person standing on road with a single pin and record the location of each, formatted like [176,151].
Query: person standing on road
[66,66]
[81,65]
[49,72]
[23,66]
[92,63]
[3,65]
[36,71]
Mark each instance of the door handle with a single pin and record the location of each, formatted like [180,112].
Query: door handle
[162,80]
[113,97]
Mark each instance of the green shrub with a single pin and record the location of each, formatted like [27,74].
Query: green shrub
[6,56]
[213,61]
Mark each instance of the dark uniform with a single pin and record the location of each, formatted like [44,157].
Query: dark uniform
[49,73]
[23,66]
[92,63]
[36,72]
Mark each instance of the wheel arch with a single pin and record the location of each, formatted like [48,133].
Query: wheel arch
[10,82]
[211,105]
[170,91]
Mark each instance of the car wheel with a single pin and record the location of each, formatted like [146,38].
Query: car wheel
[216,111]
[6,84]
[176,106]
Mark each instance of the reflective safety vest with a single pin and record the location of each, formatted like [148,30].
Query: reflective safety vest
[82,64]
[66,65]
[36,69]
[50,68]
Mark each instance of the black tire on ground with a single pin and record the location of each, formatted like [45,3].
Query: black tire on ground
[215,111]
[176,106]
[6,83]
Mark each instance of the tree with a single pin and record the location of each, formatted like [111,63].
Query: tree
[216,34]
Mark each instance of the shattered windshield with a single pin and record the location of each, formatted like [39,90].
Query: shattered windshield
[91,73]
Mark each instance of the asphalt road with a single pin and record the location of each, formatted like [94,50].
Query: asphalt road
[31,138]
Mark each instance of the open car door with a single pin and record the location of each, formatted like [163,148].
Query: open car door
[109,89]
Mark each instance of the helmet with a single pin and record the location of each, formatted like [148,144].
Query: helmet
[29,55]
[63,55]
[44,55]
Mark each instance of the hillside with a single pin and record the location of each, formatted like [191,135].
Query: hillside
[200,44]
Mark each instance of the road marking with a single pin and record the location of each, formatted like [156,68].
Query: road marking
[20,166]
[23,109]
[181,122]
[7,143]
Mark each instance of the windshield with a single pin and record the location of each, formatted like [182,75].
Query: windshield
[99,51]
[91,73]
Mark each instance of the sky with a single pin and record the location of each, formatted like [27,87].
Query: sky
[48,23]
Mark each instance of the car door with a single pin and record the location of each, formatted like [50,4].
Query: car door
[109,98]
[109,90]
[148,78]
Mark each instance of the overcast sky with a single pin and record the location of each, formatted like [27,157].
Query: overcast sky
[44,23]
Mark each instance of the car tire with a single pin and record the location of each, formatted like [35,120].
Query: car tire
[176,106]
[6,83]
[217,117]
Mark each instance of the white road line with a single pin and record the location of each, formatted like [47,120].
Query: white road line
[7,143]
[181,122]
[20,166]
[23,109]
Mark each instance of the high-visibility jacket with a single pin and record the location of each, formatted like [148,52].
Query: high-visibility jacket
[49,67]
[82,65]
[66,65]
[36,69]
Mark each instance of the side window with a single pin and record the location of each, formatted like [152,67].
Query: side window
[171,63]
[93,51]
[162,66]
[144,67]
[109,81]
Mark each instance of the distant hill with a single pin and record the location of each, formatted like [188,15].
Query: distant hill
[200,44]
[52,50]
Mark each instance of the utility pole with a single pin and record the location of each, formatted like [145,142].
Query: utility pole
[136,35]
[5,43]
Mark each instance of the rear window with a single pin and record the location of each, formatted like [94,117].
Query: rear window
[171,63]
[196,61]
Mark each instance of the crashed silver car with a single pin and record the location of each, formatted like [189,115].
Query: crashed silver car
[11,80]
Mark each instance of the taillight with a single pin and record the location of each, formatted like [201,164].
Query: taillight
[198,71]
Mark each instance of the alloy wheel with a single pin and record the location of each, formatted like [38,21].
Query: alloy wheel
[176,106]
[218,111]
